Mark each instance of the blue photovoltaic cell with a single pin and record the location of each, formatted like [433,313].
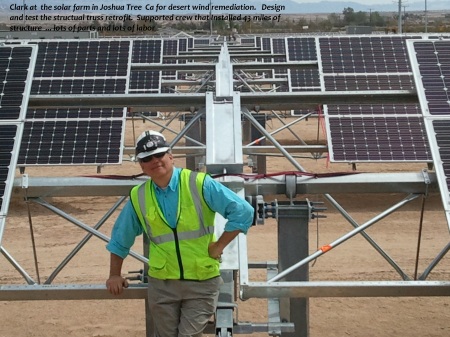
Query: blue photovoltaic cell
[60,142]
[14,64]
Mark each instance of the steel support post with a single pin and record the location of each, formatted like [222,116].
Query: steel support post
[293,246]
[197,132]
[255,135]
[226,305]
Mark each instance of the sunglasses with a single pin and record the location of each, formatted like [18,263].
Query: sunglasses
[149,158]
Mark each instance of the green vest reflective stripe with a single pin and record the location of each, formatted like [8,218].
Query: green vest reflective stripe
[180,253]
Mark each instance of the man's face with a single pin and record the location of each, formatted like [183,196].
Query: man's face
[158,168]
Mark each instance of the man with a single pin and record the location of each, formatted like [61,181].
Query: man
[175,208]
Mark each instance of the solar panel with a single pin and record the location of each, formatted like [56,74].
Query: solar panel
[170,47]
[374,54]
[201,42]
[266,45]
[373,133]
[94,113]
[368,82]
[258,42]
[82,58]
[16,69]
[378,139]
[9,141]
[248,41]
[442,130]
[77,141]
[14,74]
[77,135]
[79,86]
[147,51]
[279,47]
[183,44]
[301,49]
[431,68]
[371,63]
[145,81]
[81,67]
[305,79]
[8,136]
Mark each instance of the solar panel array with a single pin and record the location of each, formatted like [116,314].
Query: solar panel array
[357,133]
[77,136]
[81,67]
[70,67]
[371,133]
[147,51]
[431,66]
[301,49]
[16,67]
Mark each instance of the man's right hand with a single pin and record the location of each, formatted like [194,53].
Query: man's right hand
[115,284]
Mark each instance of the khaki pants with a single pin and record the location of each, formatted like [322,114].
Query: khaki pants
[182,308]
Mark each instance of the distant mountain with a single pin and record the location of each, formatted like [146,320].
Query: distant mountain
[291,6]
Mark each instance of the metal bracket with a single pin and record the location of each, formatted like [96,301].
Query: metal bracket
[24,181]
[291,186]
[260,210]
[426,180]
[426,177]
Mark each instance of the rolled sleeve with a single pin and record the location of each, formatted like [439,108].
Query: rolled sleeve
[124,232]
[236,210]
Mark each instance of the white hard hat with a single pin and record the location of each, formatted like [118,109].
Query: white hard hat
[149,143]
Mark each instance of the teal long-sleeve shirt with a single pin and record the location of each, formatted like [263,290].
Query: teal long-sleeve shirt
[237,211]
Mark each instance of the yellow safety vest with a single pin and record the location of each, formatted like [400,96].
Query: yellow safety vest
[178,253]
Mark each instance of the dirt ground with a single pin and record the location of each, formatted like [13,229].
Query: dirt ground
[354,260]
